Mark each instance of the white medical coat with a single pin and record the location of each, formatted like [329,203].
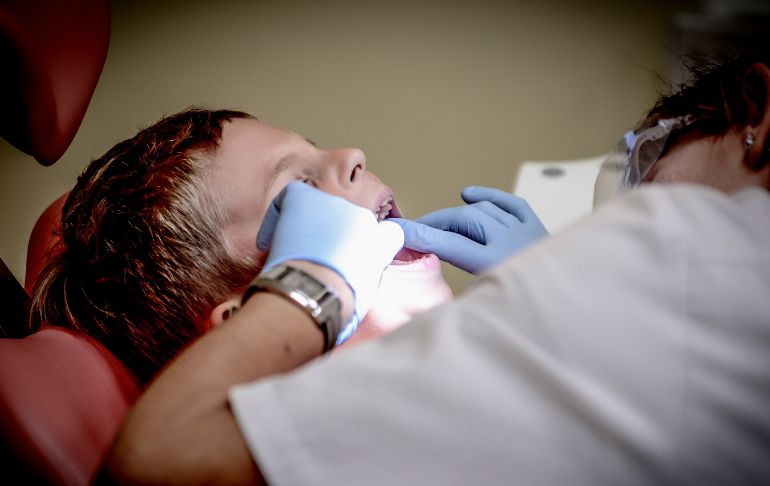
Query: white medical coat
[633,348]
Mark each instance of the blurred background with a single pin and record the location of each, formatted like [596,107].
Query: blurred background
[439,94]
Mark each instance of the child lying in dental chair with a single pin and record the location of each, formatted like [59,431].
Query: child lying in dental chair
[158,236]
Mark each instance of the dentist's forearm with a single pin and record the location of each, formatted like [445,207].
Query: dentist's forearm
[181,430]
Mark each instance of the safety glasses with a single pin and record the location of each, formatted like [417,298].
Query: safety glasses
[634,156]
[646,149]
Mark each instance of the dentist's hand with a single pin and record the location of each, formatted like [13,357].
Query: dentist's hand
[304,223]
[493,225]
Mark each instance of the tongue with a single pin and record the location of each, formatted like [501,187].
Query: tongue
[407,255]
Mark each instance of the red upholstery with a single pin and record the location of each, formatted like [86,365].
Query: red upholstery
[62,395]
[51,56]
[62,399]
[42,241]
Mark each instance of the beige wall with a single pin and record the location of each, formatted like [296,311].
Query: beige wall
[438,94]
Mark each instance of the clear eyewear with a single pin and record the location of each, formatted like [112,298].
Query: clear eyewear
[648,147]
[633,157]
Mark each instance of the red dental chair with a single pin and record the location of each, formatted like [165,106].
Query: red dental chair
[62,395]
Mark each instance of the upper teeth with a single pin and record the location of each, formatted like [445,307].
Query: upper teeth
[385,208]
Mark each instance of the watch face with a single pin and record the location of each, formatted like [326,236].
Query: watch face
[305,283]
[320,301]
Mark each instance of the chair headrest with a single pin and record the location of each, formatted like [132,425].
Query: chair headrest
[43,241]
[63,397]
[51,56]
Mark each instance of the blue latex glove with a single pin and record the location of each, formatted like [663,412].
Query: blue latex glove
[304,223]
[494,225]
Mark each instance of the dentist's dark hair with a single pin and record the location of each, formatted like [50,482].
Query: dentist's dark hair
[142,258]
[715,94]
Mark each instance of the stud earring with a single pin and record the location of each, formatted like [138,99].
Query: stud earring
[748,140]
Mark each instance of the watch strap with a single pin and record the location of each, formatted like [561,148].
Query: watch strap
[316,298]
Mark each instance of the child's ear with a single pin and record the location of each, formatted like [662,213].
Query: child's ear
[224,311]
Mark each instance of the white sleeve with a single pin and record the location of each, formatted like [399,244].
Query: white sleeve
[566,364]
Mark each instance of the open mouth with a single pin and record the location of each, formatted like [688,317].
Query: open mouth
[389,209]
[407,255]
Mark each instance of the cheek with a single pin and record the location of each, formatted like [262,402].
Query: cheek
[664,172]
[679,165]
[241,241]
[701,161]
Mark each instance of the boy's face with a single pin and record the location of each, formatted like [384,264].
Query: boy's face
[255,161]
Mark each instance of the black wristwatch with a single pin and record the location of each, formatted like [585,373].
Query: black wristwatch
[301,288]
